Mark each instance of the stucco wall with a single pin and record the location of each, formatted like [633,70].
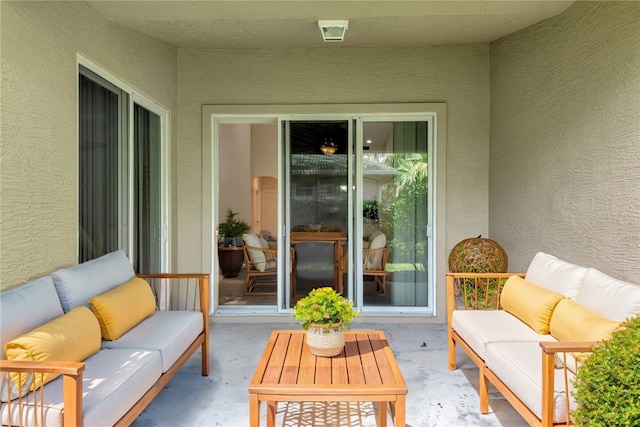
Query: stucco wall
[38,129]
[565,139]
[457,75]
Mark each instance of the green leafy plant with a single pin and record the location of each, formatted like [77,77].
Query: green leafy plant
[370,209]
[233,227]
[324,306]
[607,385]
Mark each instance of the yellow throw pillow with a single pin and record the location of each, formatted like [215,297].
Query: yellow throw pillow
[573,322]
[122,308]
[530,303]
[71,337]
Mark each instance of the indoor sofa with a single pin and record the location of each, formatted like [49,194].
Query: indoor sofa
[94,344]
[528,333]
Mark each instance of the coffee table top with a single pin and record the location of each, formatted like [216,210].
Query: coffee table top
[366,367]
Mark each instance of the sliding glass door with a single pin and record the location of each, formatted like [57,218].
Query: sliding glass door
[353,203]
[318,183]
[121,203]
[395,214]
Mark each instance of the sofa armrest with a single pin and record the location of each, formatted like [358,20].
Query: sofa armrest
[187,292]
[550,353]
[72,388]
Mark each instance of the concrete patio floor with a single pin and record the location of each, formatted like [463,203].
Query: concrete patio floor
[437,396]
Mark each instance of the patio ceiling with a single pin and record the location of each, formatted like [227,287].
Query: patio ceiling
[260,24]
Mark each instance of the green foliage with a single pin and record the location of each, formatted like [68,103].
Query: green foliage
[607,386]
[370,209]
[479,255]
[324,306]
[233,227]
[404,204]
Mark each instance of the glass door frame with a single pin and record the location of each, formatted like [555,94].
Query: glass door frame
[284,236]
[361,120]
[214,114]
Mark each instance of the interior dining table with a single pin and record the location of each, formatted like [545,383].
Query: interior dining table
[337,237]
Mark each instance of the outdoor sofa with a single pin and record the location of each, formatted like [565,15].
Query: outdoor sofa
[528,333]
[94,344]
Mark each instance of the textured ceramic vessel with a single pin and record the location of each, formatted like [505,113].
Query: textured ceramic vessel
[325,342]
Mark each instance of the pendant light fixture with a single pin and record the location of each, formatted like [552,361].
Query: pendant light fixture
[328,147]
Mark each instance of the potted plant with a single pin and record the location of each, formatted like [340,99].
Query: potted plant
[230,252]
[607,385]
[479,255]
[325,314]
[232,229]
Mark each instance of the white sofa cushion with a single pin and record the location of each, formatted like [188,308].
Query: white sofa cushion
[170,332]
[112,382]
[77,284]
[258,257]
[519,366]
[609,297]
[23,309]
[556,275]
[480,327]
[378,240]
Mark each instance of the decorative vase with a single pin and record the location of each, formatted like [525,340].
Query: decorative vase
[230,261]
[325,342]
[478,255]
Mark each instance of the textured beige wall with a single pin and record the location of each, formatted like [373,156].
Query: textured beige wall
[457,75]
[38,122]
[565,139]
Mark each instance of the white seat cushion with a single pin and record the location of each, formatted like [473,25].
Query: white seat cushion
[609,297]
[480,327]
[556,275]
[519,366]
[112,382]
[170,332]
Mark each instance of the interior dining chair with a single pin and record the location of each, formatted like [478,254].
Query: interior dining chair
[261,268]
[374,262]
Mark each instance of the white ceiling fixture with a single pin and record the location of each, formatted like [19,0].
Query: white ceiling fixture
[333,31]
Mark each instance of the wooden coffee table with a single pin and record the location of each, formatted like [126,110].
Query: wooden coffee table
[366,371]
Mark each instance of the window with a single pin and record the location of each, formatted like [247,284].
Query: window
[121,203]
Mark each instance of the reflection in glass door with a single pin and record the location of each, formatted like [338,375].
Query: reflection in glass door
[319,203]
[395,214]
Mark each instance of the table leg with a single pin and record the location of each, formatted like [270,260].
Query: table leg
[382,414]
[337,261]
[400,411]
[254,411]
[272,408]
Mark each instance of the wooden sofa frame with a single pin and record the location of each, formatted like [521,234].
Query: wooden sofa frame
[190,292]
[479,297]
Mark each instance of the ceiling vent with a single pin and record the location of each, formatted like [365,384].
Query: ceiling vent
[333,31]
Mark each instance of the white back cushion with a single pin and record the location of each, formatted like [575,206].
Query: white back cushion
[258,258]
[23,309]
[77,284]
[379,240]
[609,297]
[556,275]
